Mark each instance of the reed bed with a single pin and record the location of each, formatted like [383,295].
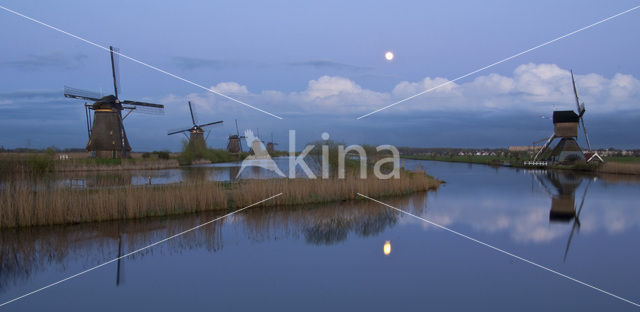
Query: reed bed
[42,163]
[125,164]
[619,168]
[23,204]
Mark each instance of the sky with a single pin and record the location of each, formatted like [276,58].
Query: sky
[320,65]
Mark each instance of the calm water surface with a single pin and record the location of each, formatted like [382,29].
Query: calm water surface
[330,257]
[208,172]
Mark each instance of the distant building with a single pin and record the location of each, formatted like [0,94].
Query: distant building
[524,148]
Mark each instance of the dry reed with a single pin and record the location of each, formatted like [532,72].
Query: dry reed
[619,168]
[126,164]
[22,205]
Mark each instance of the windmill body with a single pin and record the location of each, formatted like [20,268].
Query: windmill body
[565,124]
[107,136]
[196,138]
[234,146]
[197,141]
[271,145]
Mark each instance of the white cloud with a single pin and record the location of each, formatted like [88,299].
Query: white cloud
[230,88]
[531,87]
[444,88]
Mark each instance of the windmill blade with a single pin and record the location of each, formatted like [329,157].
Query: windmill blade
[119,257]
[586,136]
[581,110]
[584,195]
[178,131]
[115,69]
[137,103]
[81,94]
[211,124]
[237,132]
[193,119]
[575,92]
[145,110]
[576,222]
[86,113]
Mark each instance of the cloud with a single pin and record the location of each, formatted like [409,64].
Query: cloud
[532,87]
[54,59]
[326,64]
[29,97]
[193,63]
[230,88]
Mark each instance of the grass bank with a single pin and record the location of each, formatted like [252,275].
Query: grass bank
[619,168]
[476,159]
[613,165]
[41,163]
[20,205]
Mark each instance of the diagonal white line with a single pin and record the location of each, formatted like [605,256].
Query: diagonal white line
[502,251]
[137,250]
[138,61]
[500,61]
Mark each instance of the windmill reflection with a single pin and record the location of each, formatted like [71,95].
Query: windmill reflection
[561,187]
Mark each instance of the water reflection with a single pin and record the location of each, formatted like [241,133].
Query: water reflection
[561,187]
[24,252]
[542,216]
[189,174]
[386,248]
[28,251]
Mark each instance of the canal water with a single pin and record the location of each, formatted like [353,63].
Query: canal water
[354,255]
[222,172]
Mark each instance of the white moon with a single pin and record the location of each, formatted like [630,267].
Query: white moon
[388,56]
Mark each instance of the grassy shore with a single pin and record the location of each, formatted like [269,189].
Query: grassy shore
[619,168]
[20,205]
[613,165]
[40,163]
[475,159]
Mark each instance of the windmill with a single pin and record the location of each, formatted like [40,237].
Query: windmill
[196,133]
[566,129]
[270,145]
[107,137]
[235,143]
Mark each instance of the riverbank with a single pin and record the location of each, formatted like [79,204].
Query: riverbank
[22,206]
[41,163]
[628,167]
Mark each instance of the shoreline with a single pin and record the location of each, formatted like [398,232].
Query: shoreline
[606,168]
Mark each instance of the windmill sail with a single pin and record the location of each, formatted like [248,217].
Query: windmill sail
[193,119]
[211,124]
[81,94]
[115,69]
[581,110]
